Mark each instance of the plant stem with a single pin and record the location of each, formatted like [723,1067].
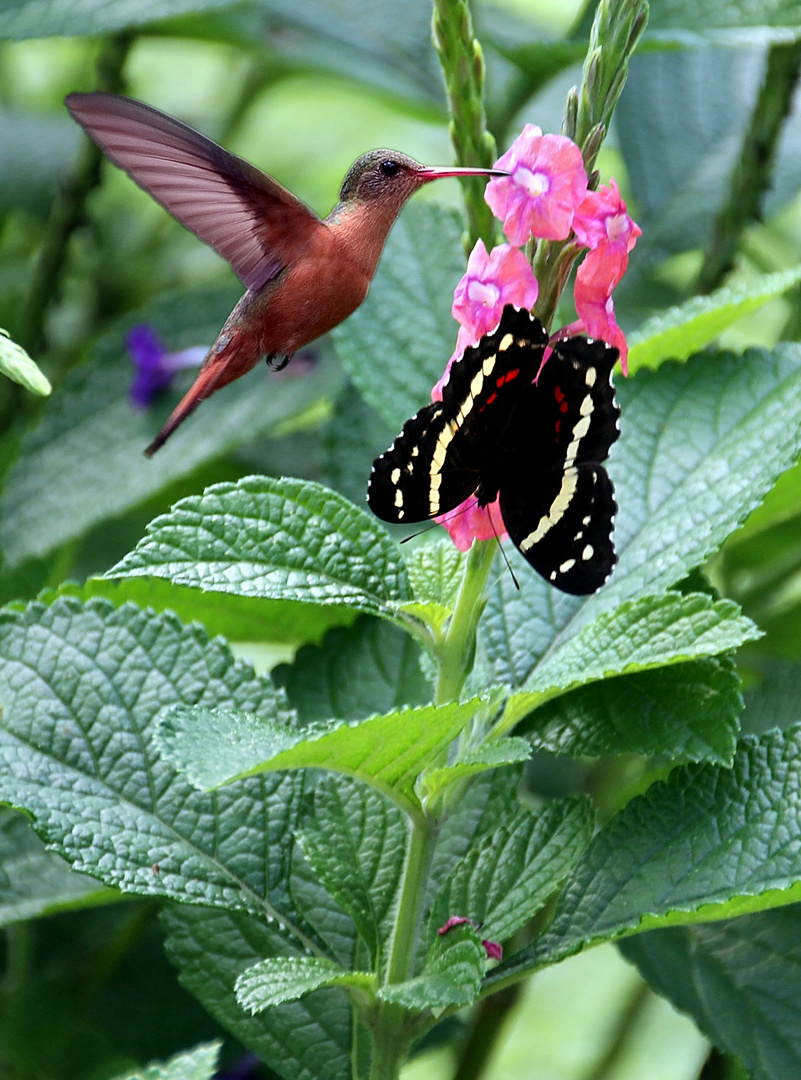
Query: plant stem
[457,652]
[462,61]
[487,1026]
[754,170]
[68,209]
[391,1032]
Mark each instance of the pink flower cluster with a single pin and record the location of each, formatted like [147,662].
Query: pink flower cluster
[545,196]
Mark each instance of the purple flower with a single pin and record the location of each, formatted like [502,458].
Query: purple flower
[154,367]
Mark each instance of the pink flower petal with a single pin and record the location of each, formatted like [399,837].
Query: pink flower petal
[454,920]
[492,281]
[546,186]
[469,522]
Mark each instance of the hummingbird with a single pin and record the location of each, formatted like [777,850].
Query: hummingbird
[303,274]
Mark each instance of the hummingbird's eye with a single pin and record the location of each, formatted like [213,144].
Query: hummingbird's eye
[389,168]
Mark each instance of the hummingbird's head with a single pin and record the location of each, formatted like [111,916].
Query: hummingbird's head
[387,177]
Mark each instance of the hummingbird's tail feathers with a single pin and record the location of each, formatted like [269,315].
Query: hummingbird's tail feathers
[204,385]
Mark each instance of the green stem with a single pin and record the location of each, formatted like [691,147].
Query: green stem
[754,170]
[462,63]
[69,207]
[457,652]
[488,1023]
[392,1032]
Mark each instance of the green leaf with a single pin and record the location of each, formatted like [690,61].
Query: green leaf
[489,755]
[407,314]
[389,752]
[706,844]
[34,882]
[351,440]
[51,18]
[436,570]
[44,151]
[80,689]
[701,443]
[736,21]
[238,618]
[685,711]
[17,365]
[278,979]
[309,1039]
[683,330]
[774,702]
[354,843]
[371,667]
[91,424]
[637,635]
[197,1064]
[505,879]
[738,979]
[278,539]
[455,965]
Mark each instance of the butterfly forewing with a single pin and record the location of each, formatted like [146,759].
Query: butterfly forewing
[438,459]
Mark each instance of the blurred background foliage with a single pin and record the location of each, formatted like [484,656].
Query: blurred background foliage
[302,88]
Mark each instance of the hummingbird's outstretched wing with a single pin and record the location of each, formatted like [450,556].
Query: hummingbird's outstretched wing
[245,215]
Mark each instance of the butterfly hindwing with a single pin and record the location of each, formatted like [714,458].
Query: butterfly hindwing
[557,501]
[562,524]
[437,460]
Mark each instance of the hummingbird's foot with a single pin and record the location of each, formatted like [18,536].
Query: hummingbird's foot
[281,363]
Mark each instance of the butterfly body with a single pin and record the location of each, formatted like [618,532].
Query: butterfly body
[538,445]
[303,275]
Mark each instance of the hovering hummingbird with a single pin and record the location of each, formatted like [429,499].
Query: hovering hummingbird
[303,275]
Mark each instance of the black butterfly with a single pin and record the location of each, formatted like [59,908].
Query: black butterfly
[540,445]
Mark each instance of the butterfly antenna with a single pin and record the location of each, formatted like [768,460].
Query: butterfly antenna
[420,532]
[504,556]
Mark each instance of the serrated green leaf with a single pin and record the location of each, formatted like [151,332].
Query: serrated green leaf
[309,1039]
[238,618]
[35,882]
[407,314]
[435,571]
[738,980]
[278,539]
[80,688]
[706,844]
[505,880]
[774,701]
[701,443]
[490,755]
[371,667]
[17,365]
[454,967]
[279,979]
[197,1064]
[685,711]
[215,746]
[91,424]
[355,843]
[637,635]
[687,328]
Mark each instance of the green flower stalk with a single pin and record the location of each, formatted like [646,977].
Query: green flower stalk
[462,61]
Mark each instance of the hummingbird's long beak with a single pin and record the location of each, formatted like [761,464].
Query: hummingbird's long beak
[432,173]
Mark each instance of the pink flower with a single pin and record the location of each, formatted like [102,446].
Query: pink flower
[491,281]
[602,223]
[546,185]
[469,522]
[597,319]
